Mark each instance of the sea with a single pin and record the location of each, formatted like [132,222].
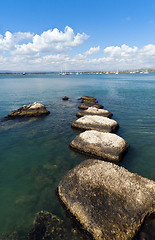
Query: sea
[35,153]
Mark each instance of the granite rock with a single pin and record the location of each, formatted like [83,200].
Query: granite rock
[109,202]
[106,146]
[88,98]
[87,105]
[32,110]
[94,111]
[95,122]
[65,98]
[89,101]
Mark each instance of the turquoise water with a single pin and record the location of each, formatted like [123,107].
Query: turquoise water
[34,153]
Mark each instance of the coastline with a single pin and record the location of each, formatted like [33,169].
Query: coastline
[80,72]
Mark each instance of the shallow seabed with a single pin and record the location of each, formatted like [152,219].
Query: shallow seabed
[34,153]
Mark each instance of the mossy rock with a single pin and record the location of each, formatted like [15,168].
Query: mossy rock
[48,226]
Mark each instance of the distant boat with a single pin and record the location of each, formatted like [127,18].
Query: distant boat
[64,73]
[24,73]
[145,72]
[117,72]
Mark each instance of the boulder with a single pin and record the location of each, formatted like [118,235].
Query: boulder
[87,105]
[94,111]
[32,110]
[95,122]
[88,98]
[106,146]
[89,101]
[109,202]
[65,98]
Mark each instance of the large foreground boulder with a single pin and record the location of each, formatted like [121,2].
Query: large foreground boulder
[32,110]
[106,146]
[109,201]
[95,122]
[94,111]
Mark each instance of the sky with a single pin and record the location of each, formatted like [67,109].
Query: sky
[79,35]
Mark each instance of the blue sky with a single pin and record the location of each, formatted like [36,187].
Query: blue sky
[99,35]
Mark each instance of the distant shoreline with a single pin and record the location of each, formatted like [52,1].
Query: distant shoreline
[79,72]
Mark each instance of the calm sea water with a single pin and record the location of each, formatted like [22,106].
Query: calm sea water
[34,153]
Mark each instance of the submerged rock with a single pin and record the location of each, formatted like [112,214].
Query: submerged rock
[94,111]
[65,98]
[95,122]
[48,226]
[11,236]
[108,201]
[87,105]
[33,110]
[106,146]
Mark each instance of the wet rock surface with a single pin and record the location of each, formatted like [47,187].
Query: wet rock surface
[109,201]
[94,111]
[89,101]
[87,105]
[88,98]
[65,98]
[33,110]
[94,122]
[106,146]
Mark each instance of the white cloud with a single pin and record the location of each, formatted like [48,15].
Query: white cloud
[148,50]
[3,60]
[92,50]
[50,51]
[9,41]
[51,41]
[123,51]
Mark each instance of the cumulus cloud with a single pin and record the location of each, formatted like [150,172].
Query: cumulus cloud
[92,50]
[50,51]
[9,41]
[148,50]
[51,41]
[123,51]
